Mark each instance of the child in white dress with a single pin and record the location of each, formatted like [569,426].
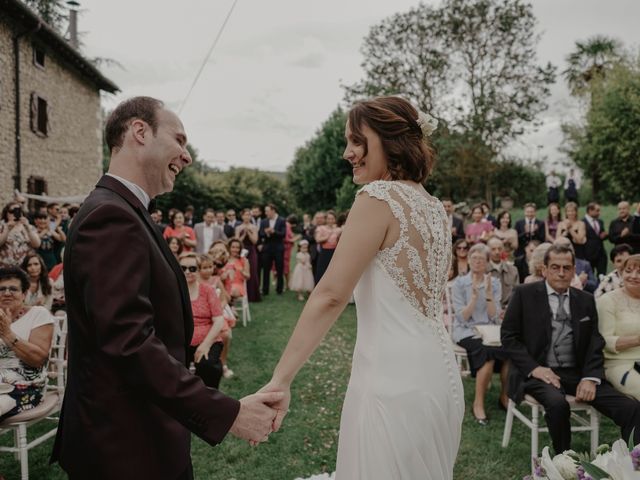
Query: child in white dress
[302,278]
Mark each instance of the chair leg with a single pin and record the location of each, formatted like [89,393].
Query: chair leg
[595,429]
[508,424]
[535,432]
[16,443]
[24,453]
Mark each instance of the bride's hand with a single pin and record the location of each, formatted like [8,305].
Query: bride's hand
[282,406]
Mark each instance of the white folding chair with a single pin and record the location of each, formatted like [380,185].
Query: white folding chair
[585,419]
[460,353]
[50,404]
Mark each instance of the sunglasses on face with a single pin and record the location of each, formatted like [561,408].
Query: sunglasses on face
[191,268]
[462,247]
[11,290]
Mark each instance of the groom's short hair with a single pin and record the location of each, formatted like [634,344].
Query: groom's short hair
[143,108]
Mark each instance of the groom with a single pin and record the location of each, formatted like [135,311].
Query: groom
[130,403]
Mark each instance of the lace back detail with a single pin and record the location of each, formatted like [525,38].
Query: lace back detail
[419,260]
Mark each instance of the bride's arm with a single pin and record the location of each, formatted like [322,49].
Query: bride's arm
[364,234]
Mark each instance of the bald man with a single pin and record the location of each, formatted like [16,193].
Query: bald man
[621,230]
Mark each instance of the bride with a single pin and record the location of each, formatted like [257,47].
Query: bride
[404,406]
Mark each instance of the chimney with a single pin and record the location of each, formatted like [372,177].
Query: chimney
[73,23]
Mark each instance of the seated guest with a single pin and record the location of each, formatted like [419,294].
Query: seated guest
[479,230]
[25,341]
[39,293]
[506,273]
[621,229]
[456,225]
[208,322]
[552,223]
[550,332]
[619,312]
[613,280]
[529,228]
[460,259]
[522,262]
[175,245]
[476,301]
[177,228]
[584,278]
[504,232]
[536,263]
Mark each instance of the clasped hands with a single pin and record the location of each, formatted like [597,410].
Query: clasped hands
[585,392]
[262,413]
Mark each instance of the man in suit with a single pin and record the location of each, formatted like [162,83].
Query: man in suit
[130,403]
[529,228]
[583,268]
[550,332]
[208,231]
[232,223]
[621,229]
[594,249]
[456,225]
[272,232]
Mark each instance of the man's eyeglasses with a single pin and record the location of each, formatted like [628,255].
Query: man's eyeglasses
[191,268]
[11,290]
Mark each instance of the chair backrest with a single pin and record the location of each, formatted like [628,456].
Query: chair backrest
[57,354]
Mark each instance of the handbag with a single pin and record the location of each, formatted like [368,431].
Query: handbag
[490,335]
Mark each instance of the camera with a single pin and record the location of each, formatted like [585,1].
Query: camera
[16,212]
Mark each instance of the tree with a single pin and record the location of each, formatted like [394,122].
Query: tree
[588,66]
[318,170]
[609,138]
[51,11]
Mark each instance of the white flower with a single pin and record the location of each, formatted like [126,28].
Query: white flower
[427,124]
[566,466]
[549,466]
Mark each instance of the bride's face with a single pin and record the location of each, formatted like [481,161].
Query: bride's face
[370,166]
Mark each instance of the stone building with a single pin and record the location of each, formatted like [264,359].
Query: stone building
[50,118]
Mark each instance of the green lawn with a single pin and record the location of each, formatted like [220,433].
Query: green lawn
[307,443]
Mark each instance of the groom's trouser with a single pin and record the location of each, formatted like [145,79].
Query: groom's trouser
[187,474]
[624,411]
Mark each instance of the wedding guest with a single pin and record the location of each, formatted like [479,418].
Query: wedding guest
[479,230]
[50,239]
[327,237]
[177,228]
[476,301]
[302,278]
[613,280]
[289,239]
[308,234]
[621,229]
[522,262]
[206,343]
[571,186]
[536,263]
[486,212]
[272,232]
[554,183]
[25,341]
[551,225]
[231,224]
[156,216]
[220,221]
[40,286]
[594,249]
[506,234]
[619,314]
[236,271]
[247,233]
[584,278]
[460,259]
[17,236]
[256,215]
[456,225]
[574,229]
[498,268]
[529,228]
[175,245]
[65,218]
[56,275]
[208,231]
[550,332]
[319,220]
[188,216]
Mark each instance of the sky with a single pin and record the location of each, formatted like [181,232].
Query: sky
[278,69]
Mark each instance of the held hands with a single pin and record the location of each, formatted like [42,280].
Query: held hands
[282,406]
[257,414]
[546,375]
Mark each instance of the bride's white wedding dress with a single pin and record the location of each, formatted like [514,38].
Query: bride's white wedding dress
[403,409]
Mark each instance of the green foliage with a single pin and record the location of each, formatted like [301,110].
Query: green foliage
[609,142]
[590,62]
[346,194]
[317,173]
[51,11]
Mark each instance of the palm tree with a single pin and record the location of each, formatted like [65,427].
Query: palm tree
[591,61]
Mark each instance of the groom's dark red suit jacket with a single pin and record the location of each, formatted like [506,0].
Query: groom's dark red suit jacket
[130,402]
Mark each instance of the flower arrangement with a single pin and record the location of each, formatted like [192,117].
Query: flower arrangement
[621,461]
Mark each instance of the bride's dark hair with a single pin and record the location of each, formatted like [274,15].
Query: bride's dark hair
[394,120]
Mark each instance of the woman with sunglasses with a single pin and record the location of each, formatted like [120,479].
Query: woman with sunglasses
[25,341]
[206,344]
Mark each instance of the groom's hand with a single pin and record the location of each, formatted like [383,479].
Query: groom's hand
[282,406]
[255,420]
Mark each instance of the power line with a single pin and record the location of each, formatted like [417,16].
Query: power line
[206,58]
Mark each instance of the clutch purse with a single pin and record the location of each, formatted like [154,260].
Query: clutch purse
[490,334]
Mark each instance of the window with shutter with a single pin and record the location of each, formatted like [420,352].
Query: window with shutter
[39,115]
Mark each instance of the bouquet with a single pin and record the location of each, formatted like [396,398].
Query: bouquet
[621,461]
